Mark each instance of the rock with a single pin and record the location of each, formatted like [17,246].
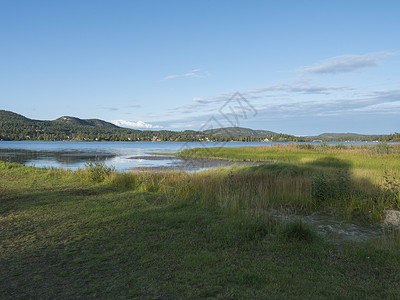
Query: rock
[392,218]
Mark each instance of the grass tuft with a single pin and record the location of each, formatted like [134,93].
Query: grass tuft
[298,231]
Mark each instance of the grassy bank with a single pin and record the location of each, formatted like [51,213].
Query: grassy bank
[99,234]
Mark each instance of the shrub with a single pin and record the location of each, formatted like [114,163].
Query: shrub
[97,171]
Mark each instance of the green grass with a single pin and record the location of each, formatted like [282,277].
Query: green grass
[353,181]
[158,236]
[377,157]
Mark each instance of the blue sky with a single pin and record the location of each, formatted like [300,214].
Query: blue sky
[303,67]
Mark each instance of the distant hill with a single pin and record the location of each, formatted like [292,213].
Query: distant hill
[339,135]
[84,122]
[238,131]
[17,127]
[6,115]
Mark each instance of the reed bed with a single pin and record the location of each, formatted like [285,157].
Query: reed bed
[257,189]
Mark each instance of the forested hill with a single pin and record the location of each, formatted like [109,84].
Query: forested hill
[340,135]
[87,122]
[16,127]
[239,131]
[6,115]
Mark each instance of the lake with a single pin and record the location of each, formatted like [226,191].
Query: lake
[123,156]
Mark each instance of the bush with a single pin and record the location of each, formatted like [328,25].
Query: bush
[97,171]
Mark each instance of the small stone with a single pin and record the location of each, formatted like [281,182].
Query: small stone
[392,218]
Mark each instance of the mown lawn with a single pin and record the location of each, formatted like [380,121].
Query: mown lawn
[64,237]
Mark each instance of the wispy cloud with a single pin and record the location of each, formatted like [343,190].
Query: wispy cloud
[135,106]
[195,73]
[306,89]
[110,108]
[138,124]
[289,89]
[347,63]
[377,102]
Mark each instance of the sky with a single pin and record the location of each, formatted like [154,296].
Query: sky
[300,67]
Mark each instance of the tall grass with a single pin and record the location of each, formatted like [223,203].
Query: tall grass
[355,181]
[257,189]
[377,157]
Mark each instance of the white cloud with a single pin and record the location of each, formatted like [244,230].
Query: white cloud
[347,63]
[138,124]
[170,77]
[392,107]
[306,89]
[194,74]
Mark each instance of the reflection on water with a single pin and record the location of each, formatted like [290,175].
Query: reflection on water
[74,160]
[28,157]
[123,156]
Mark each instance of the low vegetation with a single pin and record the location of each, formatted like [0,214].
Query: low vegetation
[97,233]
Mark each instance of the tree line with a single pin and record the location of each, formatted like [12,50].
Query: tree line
[18,130]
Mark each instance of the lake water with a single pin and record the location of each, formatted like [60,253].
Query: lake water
[122,155]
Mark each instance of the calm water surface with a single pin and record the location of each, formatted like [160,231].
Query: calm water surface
[122,155]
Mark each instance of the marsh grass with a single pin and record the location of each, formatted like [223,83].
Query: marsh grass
[349,179]
[276,185]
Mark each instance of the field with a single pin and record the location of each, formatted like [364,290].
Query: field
[96,233]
